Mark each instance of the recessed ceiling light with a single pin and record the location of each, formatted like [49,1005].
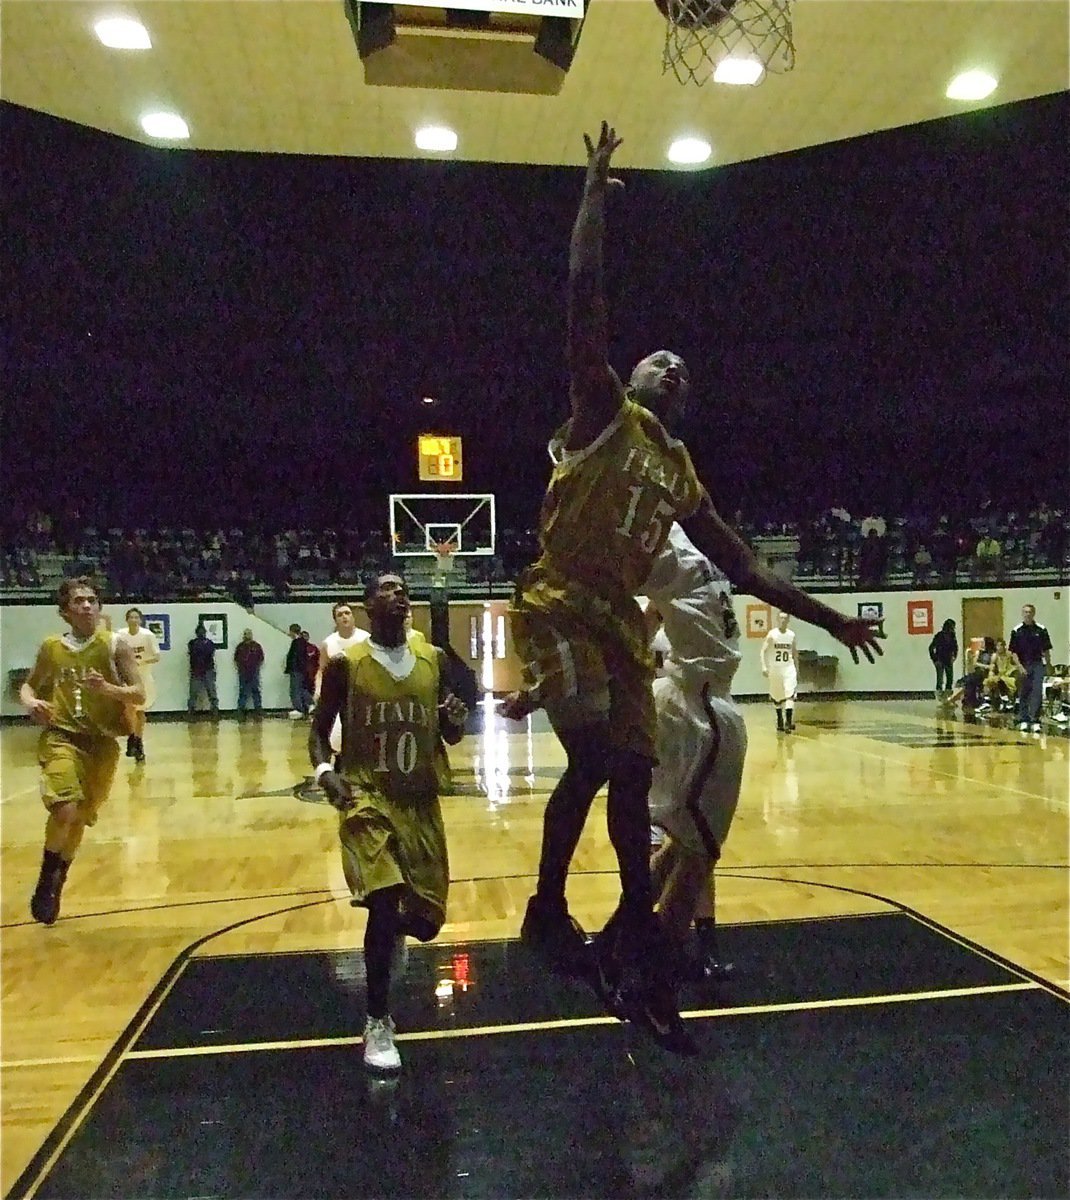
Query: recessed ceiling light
[165,125]
[738,70]
[688,151]
[123,33]
[971,85]
[436,137]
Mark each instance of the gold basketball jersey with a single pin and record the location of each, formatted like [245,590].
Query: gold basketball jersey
[58,677]
[609,506]
[390,726]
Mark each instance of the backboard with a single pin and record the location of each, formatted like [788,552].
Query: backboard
[420,521]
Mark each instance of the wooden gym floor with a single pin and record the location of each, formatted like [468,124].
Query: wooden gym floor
[894,890]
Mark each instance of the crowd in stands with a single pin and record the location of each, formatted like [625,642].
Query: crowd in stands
[836,548]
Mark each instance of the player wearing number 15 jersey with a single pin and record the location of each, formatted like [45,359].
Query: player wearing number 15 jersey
[388,691]
[619,482]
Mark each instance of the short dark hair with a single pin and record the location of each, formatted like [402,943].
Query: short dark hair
[63,592]
[338,605]
[137,610]
[295,628]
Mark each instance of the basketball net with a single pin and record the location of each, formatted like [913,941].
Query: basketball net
[701,34]
[444,561]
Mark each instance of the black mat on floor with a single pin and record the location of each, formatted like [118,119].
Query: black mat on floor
[933,1098]
[278,997]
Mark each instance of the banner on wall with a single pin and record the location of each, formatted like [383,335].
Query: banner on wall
[919,616]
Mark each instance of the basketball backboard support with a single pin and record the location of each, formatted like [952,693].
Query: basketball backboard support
[420,521]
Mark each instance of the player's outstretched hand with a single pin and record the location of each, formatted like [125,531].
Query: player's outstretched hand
[598,156]
[39,711]
[516,706]
[857,634]
[454,709]
[337,790]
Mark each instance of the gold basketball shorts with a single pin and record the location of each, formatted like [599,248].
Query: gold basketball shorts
[76,769]
[389,843]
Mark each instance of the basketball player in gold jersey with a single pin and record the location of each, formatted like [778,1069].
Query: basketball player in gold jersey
[619,482]
[79,689]
[390,694]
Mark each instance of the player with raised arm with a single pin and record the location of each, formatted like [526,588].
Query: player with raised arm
[618,484]
[81,686]
[390,694]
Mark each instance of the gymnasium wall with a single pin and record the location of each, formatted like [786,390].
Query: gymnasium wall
[905,666]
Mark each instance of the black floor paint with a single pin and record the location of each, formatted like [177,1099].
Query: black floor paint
[951,1097]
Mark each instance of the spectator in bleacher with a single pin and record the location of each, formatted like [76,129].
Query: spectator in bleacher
[201,653]
[872,559]
[923,565]
[1030,646]
[987,557]
[943,650]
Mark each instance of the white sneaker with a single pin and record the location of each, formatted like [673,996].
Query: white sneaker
[380,1051]
[1036,727]
[1062,717]
[1023,726]
[294,715]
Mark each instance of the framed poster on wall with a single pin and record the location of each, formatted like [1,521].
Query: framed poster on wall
[215,628]
[872,610]
[919,616]
[159,624]
[759,620]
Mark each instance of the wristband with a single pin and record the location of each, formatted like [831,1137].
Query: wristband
[322,770]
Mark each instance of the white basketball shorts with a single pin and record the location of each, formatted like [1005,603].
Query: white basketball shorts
[783,685]
[701,744]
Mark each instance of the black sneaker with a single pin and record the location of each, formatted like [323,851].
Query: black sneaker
[652,1008]
[606,974]
[130,746]
[557,937]
[44,904]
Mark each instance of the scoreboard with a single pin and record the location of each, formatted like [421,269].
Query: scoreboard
[440,458]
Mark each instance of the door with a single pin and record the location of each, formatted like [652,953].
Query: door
[981,617]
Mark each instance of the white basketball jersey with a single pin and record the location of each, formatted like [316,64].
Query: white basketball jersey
[777,651]
[336,644]
[695,602]
[143,644]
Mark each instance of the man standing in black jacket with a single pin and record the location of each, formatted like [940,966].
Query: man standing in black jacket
[202,671]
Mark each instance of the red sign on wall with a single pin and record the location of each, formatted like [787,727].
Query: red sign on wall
[919,616]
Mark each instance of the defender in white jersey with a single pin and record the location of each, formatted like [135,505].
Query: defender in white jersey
[345,634]
[701,741]
[780,664]
[146,649]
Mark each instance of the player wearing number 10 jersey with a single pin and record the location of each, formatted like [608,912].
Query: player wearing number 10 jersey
[390,695]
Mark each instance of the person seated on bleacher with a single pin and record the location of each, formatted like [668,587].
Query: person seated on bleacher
[968,688]
[1057,694]
[1001,683]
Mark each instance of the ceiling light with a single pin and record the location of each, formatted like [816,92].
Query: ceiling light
[688,151]
[971,85]
[436,137]
[738,70]
[122,33]
[165,125]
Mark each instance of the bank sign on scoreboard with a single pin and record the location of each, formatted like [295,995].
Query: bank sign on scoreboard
[440,458]
[535,8]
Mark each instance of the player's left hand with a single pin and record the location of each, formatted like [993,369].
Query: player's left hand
[454,709]
[857,634]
